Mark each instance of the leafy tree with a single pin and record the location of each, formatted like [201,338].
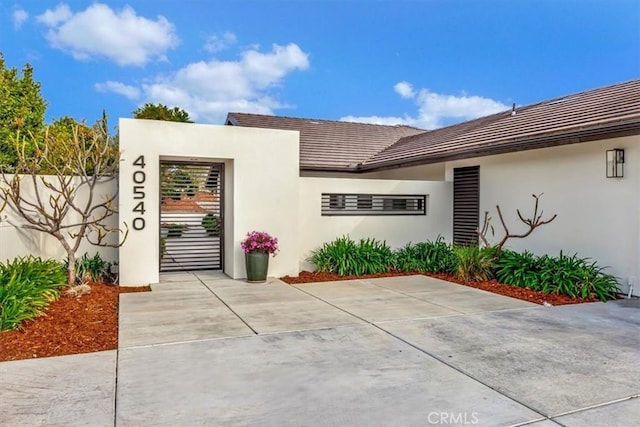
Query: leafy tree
[21,107]
[64,127]
[162,112]
[177,182]
[65,203]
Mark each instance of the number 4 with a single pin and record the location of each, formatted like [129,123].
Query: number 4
[139,162]
[139,208]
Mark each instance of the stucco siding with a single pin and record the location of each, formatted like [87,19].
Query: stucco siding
[598,217]
[397,231]
[261,189]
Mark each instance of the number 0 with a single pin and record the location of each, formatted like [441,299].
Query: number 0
[139,177]
[138,223]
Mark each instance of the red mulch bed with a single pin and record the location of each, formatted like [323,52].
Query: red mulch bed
[70,325]
[490,285]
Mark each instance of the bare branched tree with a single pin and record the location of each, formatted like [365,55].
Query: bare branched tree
[532,222]
[56,191]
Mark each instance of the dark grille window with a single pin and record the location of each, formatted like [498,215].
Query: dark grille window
[373,204]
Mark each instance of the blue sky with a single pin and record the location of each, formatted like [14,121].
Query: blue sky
[422,63]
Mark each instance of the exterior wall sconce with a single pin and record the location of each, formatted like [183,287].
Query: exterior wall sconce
[615,163]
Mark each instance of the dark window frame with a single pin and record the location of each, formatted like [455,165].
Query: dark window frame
[366,204]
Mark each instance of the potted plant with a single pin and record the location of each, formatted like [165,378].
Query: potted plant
[257,246]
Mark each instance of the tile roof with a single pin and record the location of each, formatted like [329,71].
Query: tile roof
[342,146]
[327,144]
[595,114]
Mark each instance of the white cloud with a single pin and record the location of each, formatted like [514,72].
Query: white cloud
[379,120]
[19,17]
[100,32]
[209,90]
[436,110]
[404,89]
[52,18]
[217,43]
[130,92]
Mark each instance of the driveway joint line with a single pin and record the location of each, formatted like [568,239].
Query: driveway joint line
[227,305]
[466,374]
[531,422]
[115,387]
[419,299]
[595,406]
[430,355]
[333,305]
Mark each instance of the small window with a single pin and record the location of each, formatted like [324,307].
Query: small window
[373,204]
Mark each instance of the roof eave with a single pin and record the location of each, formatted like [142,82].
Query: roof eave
[314,168]
[503,147]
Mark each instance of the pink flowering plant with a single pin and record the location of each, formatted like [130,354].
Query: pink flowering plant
[259,241]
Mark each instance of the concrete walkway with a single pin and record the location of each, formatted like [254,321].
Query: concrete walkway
[205,350]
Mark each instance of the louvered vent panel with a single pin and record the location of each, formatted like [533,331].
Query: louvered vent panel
[466,205]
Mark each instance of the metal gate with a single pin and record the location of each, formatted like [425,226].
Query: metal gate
[191,216]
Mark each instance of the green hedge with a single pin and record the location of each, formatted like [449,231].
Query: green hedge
[429,257]
[346,257]
[567,275]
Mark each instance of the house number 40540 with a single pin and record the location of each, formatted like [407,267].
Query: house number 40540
[139,178]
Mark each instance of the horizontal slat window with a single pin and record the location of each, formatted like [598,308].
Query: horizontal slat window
[466,205]
[334,204]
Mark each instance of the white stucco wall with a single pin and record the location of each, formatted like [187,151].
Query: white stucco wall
[261,189]
[397,230]
[598,217]
[16,241]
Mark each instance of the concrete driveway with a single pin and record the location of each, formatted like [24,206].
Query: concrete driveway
[205,350]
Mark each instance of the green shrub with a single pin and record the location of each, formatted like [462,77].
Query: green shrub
[335,257]
[27,286]
[345,257]
[474,264]
[92,268]
[174,230]
[576,277]
[519,269]
[407,259]
[374,256]
[567,275]
[430,257]
[210,224]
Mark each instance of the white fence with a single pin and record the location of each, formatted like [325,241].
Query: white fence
[16,241]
